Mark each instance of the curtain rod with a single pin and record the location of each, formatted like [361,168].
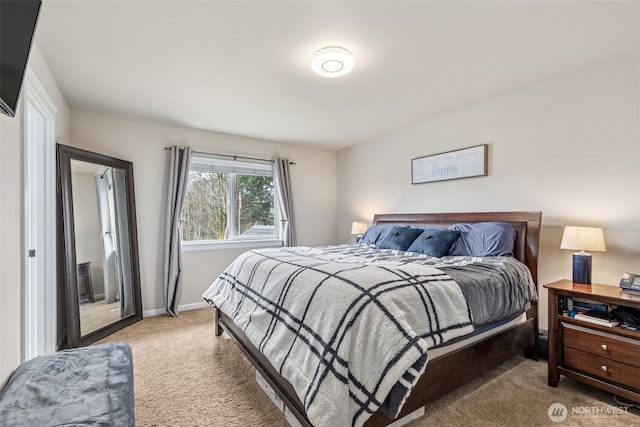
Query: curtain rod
[232,156]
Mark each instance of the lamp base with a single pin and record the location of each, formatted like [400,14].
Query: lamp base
[582,268]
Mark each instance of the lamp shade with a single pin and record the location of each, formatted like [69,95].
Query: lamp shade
[583,239]
[358,228]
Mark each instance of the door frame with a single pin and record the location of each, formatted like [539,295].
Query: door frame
[39,221]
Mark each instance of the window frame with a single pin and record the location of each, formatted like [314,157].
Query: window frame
[235,241]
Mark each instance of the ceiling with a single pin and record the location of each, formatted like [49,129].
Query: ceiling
[243,67]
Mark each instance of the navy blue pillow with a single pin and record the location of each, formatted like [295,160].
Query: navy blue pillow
[400,238]
[375,233]
[434,242]
[484,239]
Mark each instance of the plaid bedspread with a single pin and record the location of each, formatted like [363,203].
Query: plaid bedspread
[349,333]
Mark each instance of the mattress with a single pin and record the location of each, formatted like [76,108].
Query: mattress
[475,337]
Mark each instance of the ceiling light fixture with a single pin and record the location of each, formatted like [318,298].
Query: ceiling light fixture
[332,61]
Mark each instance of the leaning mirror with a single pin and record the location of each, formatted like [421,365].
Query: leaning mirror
[101,270]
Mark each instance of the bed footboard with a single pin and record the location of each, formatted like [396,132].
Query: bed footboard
[449,372]
[441,376]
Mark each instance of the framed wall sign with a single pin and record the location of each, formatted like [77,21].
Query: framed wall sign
[456,164]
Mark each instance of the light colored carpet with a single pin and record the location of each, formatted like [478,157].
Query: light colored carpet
[185,376]
[95,315]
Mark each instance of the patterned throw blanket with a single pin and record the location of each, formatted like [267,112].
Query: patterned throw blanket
[350,334]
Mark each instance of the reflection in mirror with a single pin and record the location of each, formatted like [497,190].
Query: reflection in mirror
[101,259]
[102,247]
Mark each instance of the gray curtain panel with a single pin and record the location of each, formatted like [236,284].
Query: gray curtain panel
[109,249]
[179,160]
[282,177]
[123,240]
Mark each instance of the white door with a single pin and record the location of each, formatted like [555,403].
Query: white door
[39,265]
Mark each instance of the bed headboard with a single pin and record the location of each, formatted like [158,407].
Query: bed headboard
[527,225]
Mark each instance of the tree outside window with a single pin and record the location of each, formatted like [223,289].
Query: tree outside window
[228,200]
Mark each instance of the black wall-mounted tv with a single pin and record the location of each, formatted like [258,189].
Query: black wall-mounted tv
[17,24]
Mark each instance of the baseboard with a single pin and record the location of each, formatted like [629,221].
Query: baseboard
[185,307]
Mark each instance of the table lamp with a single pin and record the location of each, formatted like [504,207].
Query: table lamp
[582,239]
[358,228]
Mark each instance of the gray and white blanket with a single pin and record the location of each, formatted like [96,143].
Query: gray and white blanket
[348,328]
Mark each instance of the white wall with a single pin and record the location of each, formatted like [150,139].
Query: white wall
[11,214]
[142,142]
[569,147]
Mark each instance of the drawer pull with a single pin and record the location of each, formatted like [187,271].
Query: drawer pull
[604,347]
[604,368]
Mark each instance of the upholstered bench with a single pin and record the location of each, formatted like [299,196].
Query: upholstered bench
[81,386]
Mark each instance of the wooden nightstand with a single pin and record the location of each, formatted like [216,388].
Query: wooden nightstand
[601,356]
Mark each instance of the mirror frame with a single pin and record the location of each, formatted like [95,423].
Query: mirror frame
[65,207]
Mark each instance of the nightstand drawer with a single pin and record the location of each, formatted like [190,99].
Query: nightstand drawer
[602,367]
[602,344]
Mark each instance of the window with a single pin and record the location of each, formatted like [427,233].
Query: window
[228,200]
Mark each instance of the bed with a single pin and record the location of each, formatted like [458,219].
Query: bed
[451,362]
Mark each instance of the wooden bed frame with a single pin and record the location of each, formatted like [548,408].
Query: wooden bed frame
[451,370]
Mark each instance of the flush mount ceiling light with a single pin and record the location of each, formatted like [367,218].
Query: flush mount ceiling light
[332,61]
